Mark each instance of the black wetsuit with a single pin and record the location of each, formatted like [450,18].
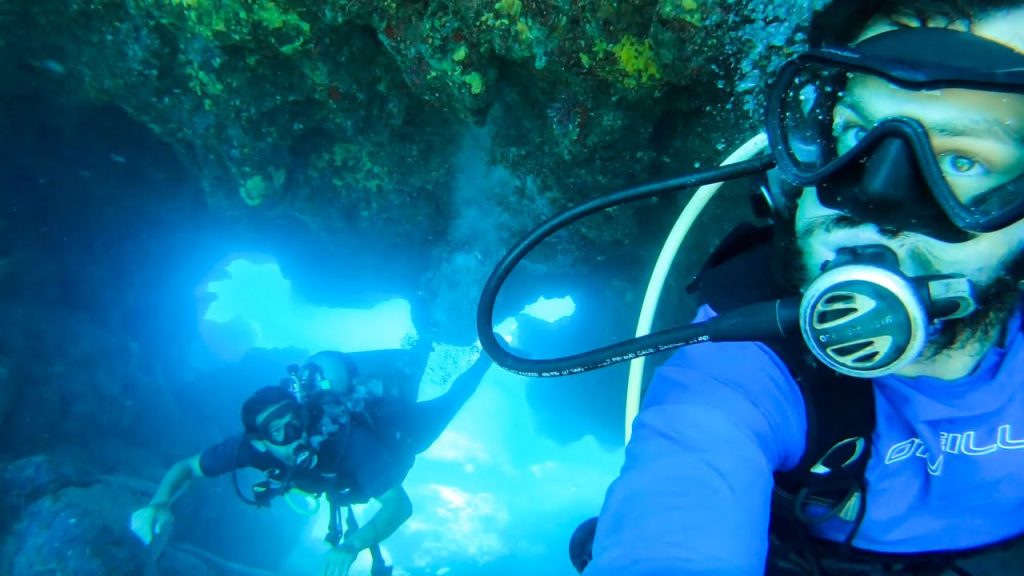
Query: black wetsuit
[368,457]
[356,461]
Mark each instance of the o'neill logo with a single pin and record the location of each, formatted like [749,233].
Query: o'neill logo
[964,443]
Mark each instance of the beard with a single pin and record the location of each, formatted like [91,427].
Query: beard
[996,300]
[996,303]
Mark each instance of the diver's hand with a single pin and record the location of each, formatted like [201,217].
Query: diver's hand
[339,560]
[150,521]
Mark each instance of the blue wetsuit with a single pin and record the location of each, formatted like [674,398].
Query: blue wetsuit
[946,470]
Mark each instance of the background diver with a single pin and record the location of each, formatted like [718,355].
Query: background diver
[323,433]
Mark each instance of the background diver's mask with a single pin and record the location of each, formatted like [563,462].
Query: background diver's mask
[291,432]
[918,129]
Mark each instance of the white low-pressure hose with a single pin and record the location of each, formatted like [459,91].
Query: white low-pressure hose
[668,254]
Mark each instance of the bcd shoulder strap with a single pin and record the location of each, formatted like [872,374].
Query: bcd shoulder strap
[840,409]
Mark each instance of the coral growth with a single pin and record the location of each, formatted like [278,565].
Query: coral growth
[323,107]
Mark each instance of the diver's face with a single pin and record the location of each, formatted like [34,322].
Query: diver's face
[978,139]
[279,431]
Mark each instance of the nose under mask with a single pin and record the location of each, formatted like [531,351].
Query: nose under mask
[888,190]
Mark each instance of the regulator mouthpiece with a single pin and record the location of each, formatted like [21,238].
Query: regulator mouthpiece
[305,457]
[863,317]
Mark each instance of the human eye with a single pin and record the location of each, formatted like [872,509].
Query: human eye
[277,431]
[958,165]
[972,173]
[848,133]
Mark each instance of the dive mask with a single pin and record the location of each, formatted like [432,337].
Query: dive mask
[918,129]
[274,432]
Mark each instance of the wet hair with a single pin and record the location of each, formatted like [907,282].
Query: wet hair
[259,401]
[842,22]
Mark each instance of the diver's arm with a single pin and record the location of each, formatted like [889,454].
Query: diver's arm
[695,490]
[685,505]
[395,509]
[150,520]
[176,480]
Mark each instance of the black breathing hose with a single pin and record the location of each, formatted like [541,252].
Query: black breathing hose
[764,320]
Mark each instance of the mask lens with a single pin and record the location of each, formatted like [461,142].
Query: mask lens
[283,425]
[988,186]
[806,111]
[291,433]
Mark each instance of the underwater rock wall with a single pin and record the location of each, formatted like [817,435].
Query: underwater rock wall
[6,388]
[350,112]
[350,116]
[60,516]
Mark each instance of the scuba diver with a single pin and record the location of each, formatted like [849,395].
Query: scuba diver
[849,399]
[324,430]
